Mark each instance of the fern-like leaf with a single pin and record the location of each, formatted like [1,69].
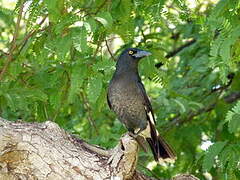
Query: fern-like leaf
[233,118]
[212,152]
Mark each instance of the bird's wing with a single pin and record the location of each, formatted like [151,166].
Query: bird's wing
[160,148]
[108,101]
[147,104]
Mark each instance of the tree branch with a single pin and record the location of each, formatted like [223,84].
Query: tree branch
[88,109]
[178,120]
[13,43]
[22,43]
[3,53]
[31,33]
[176,51]
[230,77]
[44,151]
[109,51]
[232,97]
[98,9]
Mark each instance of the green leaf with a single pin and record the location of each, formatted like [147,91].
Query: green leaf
[148,69]
[79,73]
[227,43]
[35,94]
[90,25]
[234,124]
[94,88]
[100,103]
[10,101]
[225,50]
[65,42]
[79,36]
[230,156]
[54,9]
[219,8]
[15,69]
[106,65]
[181,105]
[233,118]
[215,47]
[105,19]
[6,16]
[211,154]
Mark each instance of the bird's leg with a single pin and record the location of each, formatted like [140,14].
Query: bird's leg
[139,139]
[115,152]
[132,134]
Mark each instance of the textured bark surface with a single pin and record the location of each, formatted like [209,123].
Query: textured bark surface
[44,151]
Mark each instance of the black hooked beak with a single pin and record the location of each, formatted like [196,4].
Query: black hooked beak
[141,54]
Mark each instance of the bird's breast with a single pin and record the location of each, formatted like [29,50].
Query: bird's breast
[124,97]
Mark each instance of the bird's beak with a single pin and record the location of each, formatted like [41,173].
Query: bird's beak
[141,54]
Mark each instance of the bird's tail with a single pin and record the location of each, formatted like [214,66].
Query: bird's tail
[162,152]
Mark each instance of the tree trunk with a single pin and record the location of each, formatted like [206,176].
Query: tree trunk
[43,151]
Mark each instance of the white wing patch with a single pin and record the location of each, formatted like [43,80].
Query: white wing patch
[163,162]
[136,131]
[146,133]
[150,115]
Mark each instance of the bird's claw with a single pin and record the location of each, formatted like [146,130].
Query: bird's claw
[133,134]
[114,152]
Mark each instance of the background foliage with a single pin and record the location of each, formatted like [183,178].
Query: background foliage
[57,57]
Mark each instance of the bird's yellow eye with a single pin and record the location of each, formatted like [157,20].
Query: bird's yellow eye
[130,52]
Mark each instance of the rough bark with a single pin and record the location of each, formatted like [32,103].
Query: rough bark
[43,151]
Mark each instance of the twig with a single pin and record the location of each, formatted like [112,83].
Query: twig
[85,103]
[98,9]
[221,88]
[228,99]
[26,38]
[3,53]
[109,51]
[144,37]
[13,43]
[98,46]
[22,43]
[178,120]
[15,35]
[176,51]
[101,6]
[232,97]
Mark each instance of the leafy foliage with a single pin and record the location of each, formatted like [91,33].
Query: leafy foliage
[233,119]
[57,57]
[211,154]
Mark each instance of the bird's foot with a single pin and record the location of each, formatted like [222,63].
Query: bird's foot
[140,140]
[116,152]
[134,135]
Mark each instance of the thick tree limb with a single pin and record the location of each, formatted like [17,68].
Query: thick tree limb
[45,151]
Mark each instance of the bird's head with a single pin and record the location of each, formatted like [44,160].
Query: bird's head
[135,54]
[129,58]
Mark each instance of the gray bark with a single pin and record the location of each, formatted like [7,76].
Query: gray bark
[44,151]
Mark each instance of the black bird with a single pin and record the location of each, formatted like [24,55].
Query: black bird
[128,99]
